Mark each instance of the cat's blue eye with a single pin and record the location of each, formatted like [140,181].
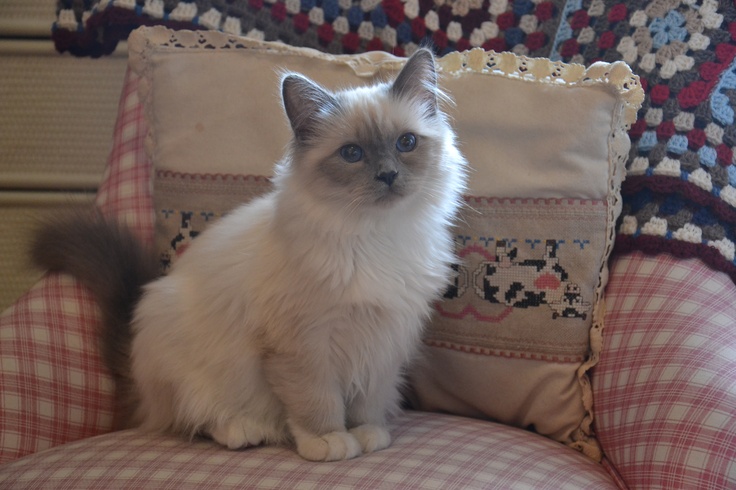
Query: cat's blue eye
[406,142]
[351,153]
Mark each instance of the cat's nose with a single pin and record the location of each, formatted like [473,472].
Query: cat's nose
[387,177]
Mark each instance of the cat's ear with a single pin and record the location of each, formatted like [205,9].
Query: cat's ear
[306,104]
[418,80]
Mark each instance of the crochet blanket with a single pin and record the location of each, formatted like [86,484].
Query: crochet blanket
[680,193]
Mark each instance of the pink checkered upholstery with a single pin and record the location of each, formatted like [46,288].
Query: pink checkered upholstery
[665,392]
[665,388]
[125,191]
[54,387]
[429,451]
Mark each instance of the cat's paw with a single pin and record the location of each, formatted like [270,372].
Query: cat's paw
[371,437]
[334,446]
[238,433]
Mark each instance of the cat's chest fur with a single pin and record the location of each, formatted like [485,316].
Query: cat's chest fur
[307,269]
[392,265]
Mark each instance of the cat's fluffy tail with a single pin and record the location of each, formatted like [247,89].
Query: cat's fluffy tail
[111,261]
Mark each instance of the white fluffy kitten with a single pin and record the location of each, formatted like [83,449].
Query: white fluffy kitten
[292,318]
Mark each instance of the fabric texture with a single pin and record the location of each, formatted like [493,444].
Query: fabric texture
[93,28]
[517,321]
[537,300]
[670,445]
[680,196]
[680,192]
[644,370]
[665,389]
[53,386]
[428,451]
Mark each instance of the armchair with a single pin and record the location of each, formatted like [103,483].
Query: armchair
[664,392]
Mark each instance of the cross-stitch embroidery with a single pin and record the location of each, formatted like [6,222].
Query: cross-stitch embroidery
[528,283]
[181,240]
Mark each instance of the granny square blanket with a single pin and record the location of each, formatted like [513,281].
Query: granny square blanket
[680,193]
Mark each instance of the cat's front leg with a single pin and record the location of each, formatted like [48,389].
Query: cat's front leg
[315,408]
[332,446]
[368,410]
[371,437]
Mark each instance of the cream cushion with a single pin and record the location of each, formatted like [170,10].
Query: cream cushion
[521,325]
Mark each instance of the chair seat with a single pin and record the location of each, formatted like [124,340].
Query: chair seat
[429,451]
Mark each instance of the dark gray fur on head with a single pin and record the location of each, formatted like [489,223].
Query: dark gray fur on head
[418,80]
[307,104]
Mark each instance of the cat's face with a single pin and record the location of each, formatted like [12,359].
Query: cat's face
[368,146]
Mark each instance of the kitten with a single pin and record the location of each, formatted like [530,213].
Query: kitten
[292,318]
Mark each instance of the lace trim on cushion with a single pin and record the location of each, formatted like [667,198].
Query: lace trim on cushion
[616,75]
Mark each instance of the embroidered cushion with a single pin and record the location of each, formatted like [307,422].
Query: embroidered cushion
[521,324]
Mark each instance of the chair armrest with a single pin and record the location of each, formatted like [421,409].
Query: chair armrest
[54,387]
[665,387]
